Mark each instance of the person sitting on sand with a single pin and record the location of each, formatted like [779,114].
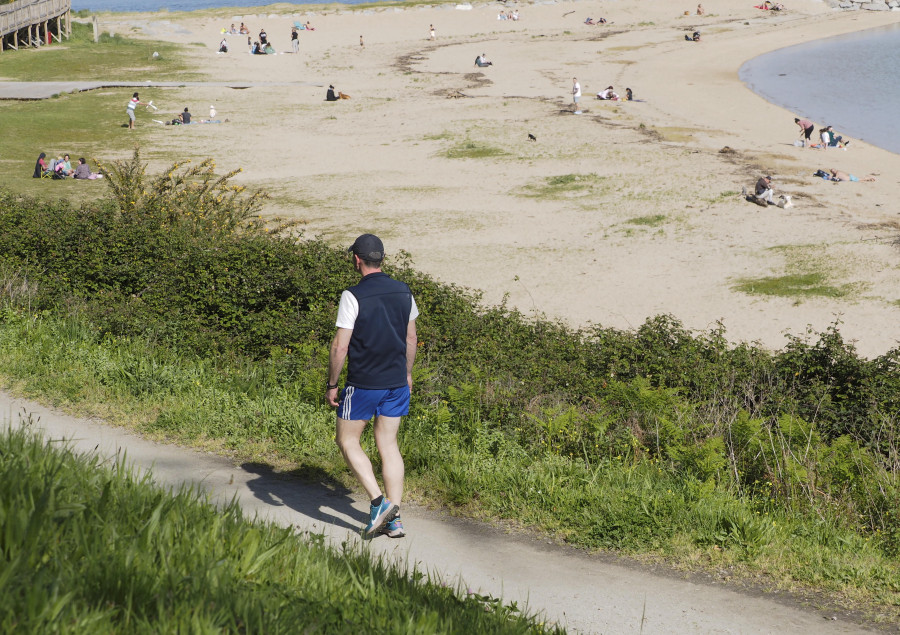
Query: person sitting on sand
[831,140]
[481,61]
[269,49]
[700,10]
[607,93]
[764,191]
[515,15]
[501,16]
[629,96]
[185,116]
[223,46]
[590,21]
[233,30]
[308,26]
[839,175]
[330,95]
[244,30]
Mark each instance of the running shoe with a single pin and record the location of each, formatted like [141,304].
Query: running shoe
[380,516]
[394,529]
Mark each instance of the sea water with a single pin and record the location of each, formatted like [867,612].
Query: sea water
[183,5]
[851,82]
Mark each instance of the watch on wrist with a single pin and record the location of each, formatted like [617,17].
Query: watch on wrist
[329,386]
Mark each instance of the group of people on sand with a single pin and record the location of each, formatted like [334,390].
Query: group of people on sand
[827,136]
[609,94]
[591,21]
[511,15]
[262,46]
[61,168]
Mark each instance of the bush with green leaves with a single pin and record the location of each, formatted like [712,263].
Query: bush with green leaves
[182,259]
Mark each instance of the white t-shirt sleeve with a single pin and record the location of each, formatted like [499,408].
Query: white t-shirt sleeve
[348,309]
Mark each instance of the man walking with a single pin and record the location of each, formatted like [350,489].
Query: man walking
[576,94]
[376,334]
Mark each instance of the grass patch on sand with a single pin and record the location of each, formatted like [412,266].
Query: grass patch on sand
[677,134]
[810,271]
[113,58]
[648,221]
[793,285]
[470,149]
[567,186]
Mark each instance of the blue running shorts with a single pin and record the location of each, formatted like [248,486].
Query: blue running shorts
[361,404]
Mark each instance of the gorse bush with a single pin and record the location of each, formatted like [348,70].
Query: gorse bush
[182,259]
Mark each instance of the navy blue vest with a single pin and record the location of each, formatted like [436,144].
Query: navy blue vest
[377,353]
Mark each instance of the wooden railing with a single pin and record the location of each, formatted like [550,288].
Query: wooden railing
[25,14]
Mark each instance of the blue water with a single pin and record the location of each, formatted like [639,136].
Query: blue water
[851,82]
[183,5]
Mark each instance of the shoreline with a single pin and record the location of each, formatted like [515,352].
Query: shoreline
[654,224]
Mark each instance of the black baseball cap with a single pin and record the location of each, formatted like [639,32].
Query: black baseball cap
[368,247]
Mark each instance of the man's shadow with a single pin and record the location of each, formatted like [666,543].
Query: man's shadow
[308,491]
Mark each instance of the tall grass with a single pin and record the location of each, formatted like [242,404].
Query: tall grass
[87,547]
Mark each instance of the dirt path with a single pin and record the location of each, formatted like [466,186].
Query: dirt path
[587,594]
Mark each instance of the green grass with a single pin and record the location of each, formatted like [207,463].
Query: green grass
[86,547]
[168,309]
[648,221]
[113,59]
[809,272]
[256,411]
[568,186]
[473,150]
[793,286]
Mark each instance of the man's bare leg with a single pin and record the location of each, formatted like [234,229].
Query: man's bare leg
[347,435]
[392,469]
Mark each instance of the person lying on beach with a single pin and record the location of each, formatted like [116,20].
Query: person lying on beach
[839,175]
[481,61]
[695,37]
[608,94]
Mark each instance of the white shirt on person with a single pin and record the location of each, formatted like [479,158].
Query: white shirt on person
[348,311]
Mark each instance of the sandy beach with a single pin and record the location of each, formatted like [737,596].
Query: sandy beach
[628,210]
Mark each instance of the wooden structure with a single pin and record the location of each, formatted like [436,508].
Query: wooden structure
[34,23]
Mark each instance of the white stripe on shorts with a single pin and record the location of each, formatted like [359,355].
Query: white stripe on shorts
[348,395]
